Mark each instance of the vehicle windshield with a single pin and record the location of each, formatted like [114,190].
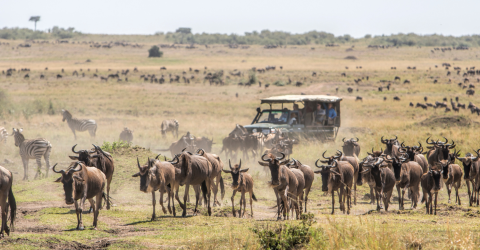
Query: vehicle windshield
[273,116]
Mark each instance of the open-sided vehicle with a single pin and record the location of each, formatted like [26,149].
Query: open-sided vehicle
[318,118]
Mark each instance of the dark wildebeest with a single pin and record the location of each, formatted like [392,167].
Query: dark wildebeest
[126,135]
[169,126]
[338,176]
[392,146]
[351,147]
[368,177]
[85,184]
[284,183]
[396,98]
[452,176]
[178,146]
[101,160]
[353,160]
[242,182]
[431,182]
[407,175]
[414,153]
[204,143]
[6,182]
[438,151]
[231,144]
[156,175]
[217,166]
[308,176]
[471,168]
[193,170]
[384,179]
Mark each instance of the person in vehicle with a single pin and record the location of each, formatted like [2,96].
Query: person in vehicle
[293,119]
[300,113]
[320,114]
[283,118]
[331,113]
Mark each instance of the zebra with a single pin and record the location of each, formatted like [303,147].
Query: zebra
[170,125]
[79,124]
[32,149]
[3,135]
[126,135]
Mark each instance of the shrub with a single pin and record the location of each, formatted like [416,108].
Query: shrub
[116,145]
[279,83]
[154,51]
[252,79]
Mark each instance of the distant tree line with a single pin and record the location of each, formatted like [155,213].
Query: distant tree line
[266,37]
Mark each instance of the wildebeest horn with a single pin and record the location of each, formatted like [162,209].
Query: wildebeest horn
[73,149]
[338,156]
[343,140]
[324,155]
[446,140]
[357,139]
[230,164]
[266,159]
[138,163]
[395,138]
[156,158]
[183,149]
[172,161]
[58,172]
[401,150]
[74,166]
[201,149]
[149,163]
[283,156]
[402,144]
[429,142]
[240,164]
[317,164]
[383,141]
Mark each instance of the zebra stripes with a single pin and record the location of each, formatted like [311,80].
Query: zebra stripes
[32,149]
[3,135]
[170,125]
[79,124]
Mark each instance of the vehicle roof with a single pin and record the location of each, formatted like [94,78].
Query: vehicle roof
[301,98]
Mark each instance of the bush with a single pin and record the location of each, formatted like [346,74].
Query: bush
[116,145]
[285,236]
[154,51]
[252,79]
[279,83]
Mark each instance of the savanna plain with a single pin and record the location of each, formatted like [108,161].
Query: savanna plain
[44,221]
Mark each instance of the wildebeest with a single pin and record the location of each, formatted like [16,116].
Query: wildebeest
[384,179]
[156,175]
[338,176]
[193,170]
[359,98]
[414,153]
[351,147]
[284,184]
[438,151]
[396,98]
[6,194]
[452,176]
[169,126]
[204,143]
[85,183]
[186,141]
[431,182]
[308,177]
[392,146]
[471,169]
[101,160]
[241,182]
[407,176]
[217,166]
[126,135]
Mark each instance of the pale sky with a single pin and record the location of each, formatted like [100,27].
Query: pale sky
[340,17]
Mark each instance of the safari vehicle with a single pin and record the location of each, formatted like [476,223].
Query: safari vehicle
[309,121]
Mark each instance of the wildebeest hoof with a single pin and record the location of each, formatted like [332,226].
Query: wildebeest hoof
[169,210]
[80,228]
[279,218]
[165,210]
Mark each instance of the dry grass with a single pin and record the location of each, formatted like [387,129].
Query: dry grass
[213,111]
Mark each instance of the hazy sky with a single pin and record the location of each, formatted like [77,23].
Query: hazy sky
[354,17]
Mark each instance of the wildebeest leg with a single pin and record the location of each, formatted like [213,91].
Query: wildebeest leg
[215,191]
[278,203]
[399,198]
[430,198]
[341,199]
[153,204]
[78,210]
[233,203]
[196,188]
[469,193]
[372,195]
[172,196]
[108,192]
[377,196]
[3,204]
[178,198]
[251,201]
[355,193]
[426,198]
[333,202]
[386,198]
[25,168]
[403,199]
[285,203]
[436,194]
[209,195]
[307,191]
[184,214]
[161,200]
[242,202]
[457,197]
[449,191]
[97,210]
[197,197]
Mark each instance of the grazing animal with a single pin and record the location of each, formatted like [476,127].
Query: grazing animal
[126,135]
[241,182]
[438,151]
[6,194]
[169,126]
[415,154]
[157,175]
[79,124]
[384,179]
[353,160]
[431,182]
[217,166]
[338,176]
[32,149]
[392,146]
[471,169]
[407,176]
[452,176]
[359,98]
[83,184]
[284,184]
[308,177]
[396,98]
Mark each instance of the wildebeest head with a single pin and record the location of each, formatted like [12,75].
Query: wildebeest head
[331,159]
[410,151]
[435,176]
[66,115]
[67,179]
[467,163]
[349,146]
[236,173]
[83,155]
[274,164]
[397,163]
[146,174]
[443,148]
[329,175]
[389,143]
[373,166]
[294,164]
[376,153]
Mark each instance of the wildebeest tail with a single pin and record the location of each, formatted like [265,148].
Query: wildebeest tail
[13,207]
[204,191]
[253,197]
[107,199]
[222,187]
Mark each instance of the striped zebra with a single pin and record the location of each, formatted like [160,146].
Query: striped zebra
[32,149]
[169,125]
[79,124]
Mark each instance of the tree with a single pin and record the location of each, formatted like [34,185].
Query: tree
[154,51]
[35,19]
[184,30]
